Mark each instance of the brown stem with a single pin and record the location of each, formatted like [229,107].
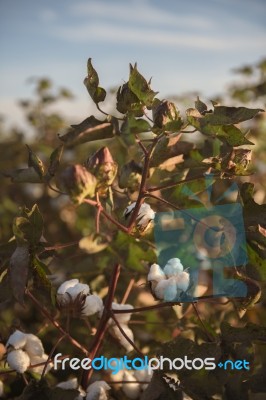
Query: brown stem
[143,182]
[173,184]
[128,290]
[202,323]
[45,312]
[102,327]
[49,359]
[125,335]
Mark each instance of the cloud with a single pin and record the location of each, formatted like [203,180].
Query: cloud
[112,33]
[139,12]
[47,15]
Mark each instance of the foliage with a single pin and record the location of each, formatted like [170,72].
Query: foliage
[63,216]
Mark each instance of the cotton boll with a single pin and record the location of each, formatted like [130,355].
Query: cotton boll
[160,288]
[79,288]
[131,390]
[40,359]
[93,304]
[156,273]
[170,292]
[173,267]
[17,340]
[69,384]
[115,332]
[144,217]
[66,285]
[182,281]
[143,375]
[129,209]
[125,317]
[97,391]
[33,346]
[18,360]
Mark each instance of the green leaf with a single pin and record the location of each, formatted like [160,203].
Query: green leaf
[93,243]
[200,106]
[231,115]
[35,162]
[232,135]
[26,175]
[257,262]
[140,87]
[229,133]
[18,272]
[55,158]
[28,228]
[170,151]
[131,125]
[41,269]
[91,82]
[89,130]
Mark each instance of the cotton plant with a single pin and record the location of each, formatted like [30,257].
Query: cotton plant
[25,349]
[76,296]
[170,283]
[144,218]
[71,384]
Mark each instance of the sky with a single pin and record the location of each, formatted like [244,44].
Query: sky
[184,45]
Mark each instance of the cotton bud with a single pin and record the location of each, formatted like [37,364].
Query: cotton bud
[173,267]
[131,390]
[144,217]
[33,346]
[17,340]
[164,113]
[18,360]
[102,165]
[128,101]
[130,176]
[122,318]
[115,332]
[93,304]
[97,391]
[1,389]
[72,295]
[78,183]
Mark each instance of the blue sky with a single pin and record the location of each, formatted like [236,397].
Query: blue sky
[184,45]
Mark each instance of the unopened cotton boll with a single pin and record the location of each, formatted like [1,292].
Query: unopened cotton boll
[122,318]
[18,360]
[156,273]
[93,304]
[173,267]
[33,346]
[131,390]
[17,340]
[97,391]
